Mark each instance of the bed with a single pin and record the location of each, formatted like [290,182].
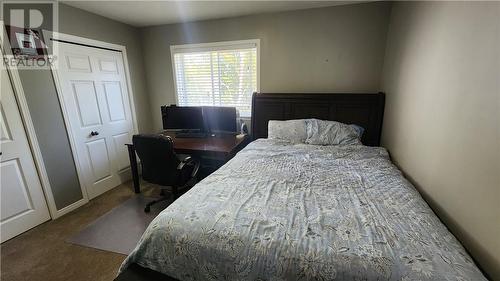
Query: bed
[293,211]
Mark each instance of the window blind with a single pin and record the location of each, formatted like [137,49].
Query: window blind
[224,75]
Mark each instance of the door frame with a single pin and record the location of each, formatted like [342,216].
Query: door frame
[29,128]
[49,36]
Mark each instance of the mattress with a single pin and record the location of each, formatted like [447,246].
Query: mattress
[281,211]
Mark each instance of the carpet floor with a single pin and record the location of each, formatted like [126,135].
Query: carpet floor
[42,253]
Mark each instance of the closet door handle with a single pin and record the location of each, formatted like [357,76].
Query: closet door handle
[94,133]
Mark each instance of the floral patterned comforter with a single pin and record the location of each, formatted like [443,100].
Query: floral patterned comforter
[281,211]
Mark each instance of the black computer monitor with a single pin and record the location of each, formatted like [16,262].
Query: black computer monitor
[220,119]
[183,118]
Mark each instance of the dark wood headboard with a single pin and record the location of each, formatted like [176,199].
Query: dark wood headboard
[366,110]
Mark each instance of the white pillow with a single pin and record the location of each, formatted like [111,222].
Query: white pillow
[290,130]
[323,132]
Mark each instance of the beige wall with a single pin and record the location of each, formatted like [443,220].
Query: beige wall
[442,118]
[335,49]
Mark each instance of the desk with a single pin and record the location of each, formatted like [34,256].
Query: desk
[222,148]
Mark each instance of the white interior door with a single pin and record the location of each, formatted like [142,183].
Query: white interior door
[23,203]
[95,96]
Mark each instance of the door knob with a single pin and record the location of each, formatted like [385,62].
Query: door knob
[94,133]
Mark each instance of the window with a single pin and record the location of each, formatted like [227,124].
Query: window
[217,74]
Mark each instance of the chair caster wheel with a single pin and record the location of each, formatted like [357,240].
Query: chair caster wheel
[147,209]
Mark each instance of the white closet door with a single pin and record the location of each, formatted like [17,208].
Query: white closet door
[23,204]
[94,91]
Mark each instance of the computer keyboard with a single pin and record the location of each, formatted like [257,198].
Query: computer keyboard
[190,135]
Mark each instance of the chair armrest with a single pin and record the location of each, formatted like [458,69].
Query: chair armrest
[184,162]
[184,157]
[189,161]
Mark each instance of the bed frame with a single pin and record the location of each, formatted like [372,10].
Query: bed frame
[365,110]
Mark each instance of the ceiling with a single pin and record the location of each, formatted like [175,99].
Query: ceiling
[147,13]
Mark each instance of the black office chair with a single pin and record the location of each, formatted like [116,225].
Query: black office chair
[160,165]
